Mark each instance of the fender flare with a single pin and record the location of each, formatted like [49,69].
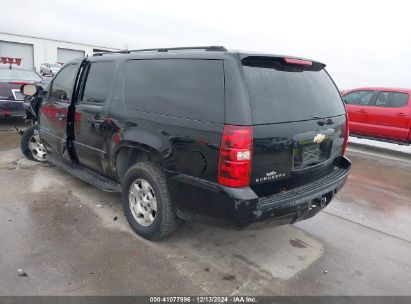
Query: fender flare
[155,154]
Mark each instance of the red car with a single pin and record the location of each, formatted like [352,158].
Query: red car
[380,113]
[11,79]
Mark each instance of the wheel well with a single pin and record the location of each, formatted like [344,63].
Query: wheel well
[129,156]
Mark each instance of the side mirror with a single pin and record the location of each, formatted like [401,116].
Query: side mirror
[28,89]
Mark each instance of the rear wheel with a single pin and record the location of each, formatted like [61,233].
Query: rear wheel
[147,203]
[31,146]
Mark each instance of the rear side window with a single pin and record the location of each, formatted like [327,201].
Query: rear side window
[184,88]
[62,87]
[98,83]
[391,99]
[282,93]
[361,98]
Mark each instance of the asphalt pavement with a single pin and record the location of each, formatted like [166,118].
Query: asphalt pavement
[72,239]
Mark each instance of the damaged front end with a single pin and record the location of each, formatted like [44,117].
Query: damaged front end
[31,105]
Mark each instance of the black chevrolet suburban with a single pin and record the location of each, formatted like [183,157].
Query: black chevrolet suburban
[195,133]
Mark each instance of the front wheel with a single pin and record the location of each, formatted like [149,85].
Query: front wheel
[147,203]
[31,146]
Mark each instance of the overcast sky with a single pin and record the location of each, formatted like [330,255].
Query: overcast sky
[363,43]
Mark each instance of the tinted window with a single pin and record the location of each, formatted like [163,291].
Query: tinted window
[177,87]
[281,94]
[391,99]
[361,98]
[10,91]
[99,79]
[62,87]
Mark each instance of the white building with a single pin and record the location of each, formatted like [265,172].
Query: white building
[35,50]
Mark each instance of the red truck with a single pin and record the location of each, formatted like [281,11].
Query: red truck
[380,113]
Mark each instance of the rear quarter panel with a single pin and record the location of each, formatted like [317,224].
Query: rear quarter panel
[184,146]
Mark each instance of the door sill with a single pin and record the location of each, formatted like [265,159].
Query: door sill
[94,179]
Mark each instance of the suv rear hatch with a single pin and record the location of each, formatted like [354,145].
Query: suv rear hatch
[299,121]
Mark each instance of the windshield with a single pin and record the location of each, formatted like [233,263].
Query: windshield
[14,74]
[283,93]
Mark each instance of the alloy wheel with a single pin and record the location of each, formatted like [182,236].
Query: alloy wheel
[142,201]
[37,149]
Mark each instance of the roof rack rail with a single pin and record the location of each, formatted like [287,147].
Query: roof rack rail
[164,50]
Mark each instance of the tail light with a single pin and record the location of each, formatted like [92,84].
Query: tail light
[345,134]
[236,151]
[297,61]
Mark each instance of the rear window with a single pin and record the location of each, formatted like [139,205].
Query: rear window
[283,92]
[184,88]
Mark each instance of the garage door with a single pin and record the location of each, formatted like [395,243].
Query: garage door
[65,55]
[18,50]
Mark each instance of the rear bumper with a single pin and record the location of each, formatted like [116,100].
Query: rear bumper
[201,200]
[12,108]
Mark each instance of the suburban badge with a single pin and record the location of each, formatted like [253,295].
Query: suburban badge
[270,176]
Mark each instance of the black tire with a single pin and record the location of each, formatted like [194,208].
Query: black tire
[25,144]
[165,220]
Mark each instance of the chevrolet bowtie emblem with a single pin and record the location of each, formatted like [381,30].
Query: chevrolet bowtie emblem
[319,138]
